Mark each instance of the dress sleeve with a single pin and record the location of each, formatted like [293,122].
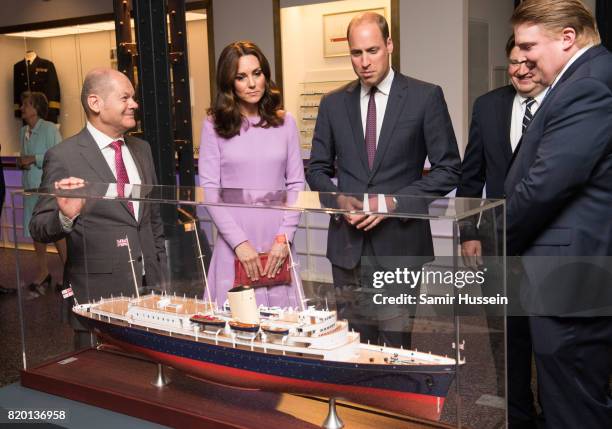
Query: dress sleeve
[294,177]
[209,167]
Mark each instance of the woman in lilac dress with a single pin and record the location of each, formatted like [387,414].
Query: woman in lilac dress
[249,143]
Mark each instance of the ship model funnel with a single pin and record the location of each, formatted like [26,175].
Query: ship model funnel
[243,305]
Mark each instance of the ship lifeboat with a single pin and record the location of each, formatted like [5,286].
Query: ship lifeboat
[207,320]
[275,330]
[244,327]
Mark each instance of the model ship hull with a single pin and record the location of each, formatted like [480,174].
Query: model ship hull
[416,390]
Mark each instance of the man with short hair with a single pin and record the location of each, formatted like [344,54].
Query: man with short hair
[377,131]
[102,152]
[499,118]
[559,201]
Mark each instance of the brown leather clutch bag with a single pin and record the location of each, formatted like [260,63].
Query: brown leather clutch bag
[283,277]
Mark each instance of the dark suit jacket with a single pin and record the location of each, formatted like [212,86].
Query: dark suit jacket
[488,152]
[416,125]
[559,191]
[96,266]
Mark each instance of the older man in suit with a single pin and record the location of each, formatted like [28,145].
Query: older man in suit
[499,119]
[103,153]
[377,131]
[559,191]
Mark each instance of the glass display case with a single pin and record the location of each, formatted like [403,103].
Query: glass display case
[163,276]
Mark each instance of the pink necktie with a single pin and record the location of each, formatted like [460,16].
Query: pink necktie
[121,173]
[370,134]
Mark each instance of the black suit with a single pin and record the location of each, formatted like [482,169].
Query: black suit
[487,158]
[559,191]
[96,266]
[416,125]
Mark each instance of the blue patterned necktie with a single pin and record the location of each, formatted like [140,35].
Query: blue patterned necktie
[528,113]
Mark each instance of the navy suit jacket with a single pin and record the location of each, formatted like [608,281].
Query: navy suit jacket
[559,192]
[416,125]
[488,152]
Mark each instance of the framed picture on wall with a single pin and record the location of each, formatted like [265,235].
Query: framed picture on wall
[335,43]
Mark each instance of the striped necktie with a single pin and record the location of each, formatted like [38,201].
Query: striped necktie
[529,102]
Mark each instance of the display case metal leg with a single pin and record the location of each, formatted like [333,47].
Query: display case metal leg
[161,379]
[332,421]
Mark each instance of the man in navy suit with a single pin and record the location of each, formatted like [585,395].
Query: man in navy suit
[377,131]
[559,211]
[498,120]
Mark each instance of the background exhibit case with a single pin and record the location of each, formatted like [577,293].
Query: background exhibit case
[431,356]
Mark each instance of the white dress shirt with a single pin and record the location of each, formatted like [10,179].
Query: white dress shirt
[381,97]
[519,105]
[104,143]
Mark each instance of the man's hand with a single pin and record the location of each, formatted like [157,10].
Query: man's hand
[249,258]
[276,257]
[350,203]
[70,207]
[24,162]
[471,251]
[370,221]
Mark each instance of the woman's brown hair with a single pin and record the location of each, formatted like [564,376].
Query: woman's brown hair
[225,110]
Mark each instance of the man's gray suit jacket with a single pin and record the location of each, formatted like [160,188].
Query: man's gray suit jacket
[96,266]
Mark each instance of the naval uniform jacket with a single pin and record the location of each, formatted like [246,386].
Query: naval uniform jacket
[40,76]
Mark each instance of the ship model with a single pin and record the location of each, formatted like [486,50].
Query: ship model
[294,350]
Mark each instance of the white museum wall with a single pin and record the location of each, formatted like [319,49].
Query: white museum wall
[302,47]
[434,48]
[497,14]
[239,20]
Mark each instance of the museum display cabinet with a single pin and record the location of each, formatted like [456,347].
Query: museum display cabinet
[309,98]
[410,334]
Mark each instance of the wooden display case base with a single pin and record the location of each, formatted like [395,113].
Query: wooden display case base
[122,383]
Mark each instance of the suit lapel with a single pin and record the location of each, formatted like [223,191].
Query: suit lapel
[394,108]
[504,116]
[353,107]
[93,156]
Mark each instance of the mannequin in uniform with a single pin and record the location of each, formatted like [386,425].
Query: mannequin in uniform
[36,74]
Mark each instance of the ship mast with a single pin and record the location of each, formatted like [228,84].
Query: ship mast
[132,265]
[298,280]
[201,258]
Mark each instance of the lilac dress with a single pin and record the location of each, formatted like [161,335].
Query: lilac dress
[263,159]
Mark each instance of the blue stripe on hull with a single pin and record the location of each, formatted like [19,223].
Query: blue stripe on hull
[432,380]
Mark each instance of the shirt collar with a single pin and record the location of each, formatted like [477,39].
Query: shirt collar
[538,98]
[384,86]
[577,55]
[101,139]
[36,126]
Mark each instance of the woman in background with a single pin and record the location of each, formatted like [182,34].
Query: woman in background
[36,137]
[248,142]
